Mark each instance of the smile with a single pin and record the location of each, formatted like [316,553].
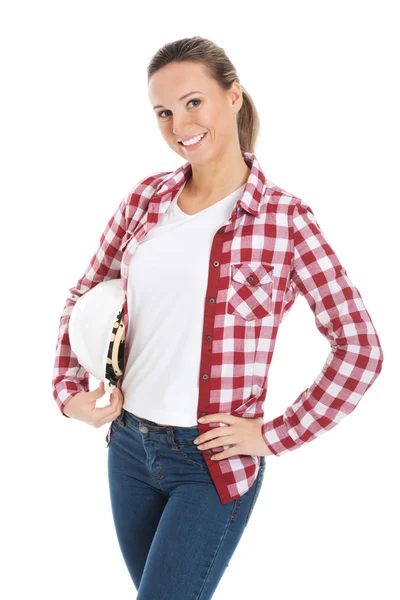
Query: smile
[196,145]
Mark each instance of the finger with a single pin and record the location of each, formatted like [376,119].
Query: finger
[221,456]
[105,418]
[233,451]
[218,418]
[215,433]
[116,401]
[106,414]
[100,390]
[219,441]
[116,396]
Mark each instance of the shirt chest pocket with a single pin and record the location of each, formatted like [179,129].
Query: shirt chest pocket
[250,290]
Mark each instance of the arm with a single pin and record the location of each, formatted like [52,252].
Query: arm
[356,355]
[69,377]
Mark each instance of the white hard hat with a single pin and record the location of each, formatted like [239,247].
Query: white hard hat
[97,333]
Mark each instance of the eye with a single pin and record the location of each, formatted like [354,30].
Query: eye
[194,100]
[163,111]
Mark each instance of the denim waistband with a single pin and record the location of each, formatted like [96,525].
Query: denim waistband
[171,431]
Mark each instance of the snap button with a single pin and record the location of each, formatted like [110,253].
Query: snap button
[143,429]
[203,414]
[250,279]
[208,451]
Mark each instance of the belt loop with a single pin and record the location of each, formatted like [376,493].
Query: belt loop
[170,435]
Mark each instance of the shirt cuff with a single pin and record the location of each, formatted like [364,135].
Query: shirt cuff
[275,434]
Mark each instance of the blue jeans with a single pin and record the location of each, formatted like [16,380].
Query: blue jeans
[175,535]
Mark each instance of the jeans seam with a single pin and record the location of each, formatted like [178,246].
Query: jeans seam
[258,486]
[198,597]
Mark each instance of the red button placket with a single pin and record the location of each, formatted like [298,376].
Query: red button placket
[213,287]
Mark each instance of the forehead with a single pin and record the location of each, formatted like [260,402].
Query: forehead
[176,79]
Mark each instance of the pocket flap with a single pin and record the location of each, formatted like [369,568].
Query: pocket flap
[253,273]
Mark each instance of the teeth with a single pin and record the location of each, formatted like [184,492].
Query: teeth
[193,140]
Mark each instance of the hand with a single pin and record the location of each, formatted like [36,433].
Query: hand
[82,406]
[243,435]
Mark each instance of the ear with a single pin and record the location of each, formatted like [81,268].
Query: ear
[236,96]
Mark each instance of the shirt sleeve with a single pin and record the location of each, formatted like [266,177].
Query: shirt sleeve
[356,356]
[69,377]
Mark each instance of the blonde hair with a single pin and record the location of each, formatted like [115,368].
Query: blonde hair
[219,67]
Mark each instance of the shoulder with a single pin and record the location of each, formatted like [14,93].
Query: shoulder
[139,194]
[148,185]
[136,201]
[285,201]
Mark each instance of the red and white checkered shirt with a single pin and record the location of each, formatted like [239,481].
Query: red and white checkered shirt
[271,250]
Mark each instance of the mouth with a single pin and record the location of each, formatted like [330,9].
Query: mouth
[194,146]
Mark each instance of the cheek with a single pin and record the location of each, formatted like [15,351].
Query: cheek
[209,120]
[168,135]
[216,125]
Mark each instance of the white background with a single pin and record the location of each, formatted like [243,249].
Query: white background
[77,132]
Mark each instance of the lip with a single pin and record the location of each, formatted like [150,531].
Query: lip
[190,137]
[194,146]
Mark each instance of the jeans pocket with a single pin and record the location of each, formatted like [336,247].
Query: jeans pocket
[192,455]
[257,483]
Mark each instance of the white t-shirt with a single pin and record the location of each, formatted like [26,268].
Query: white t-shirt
[166,291]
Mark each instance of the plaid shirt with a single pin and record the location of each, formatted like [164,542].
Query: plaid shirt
[269,251]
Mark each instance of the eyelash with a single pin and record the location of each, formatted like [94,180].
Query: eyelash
[162,111]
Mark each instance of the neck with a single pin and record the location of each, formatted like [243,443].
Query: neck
[218,178]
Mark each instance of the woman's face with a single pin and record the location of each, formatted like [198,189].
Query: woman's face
[208,110]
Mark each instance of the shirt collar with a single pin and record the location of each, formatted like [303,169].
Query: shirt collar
[252,194]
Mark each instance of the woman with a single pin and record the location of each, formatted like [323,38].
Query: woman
[211,257]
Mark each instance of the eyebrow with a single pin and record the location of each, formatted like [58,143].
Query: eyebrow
[183,97]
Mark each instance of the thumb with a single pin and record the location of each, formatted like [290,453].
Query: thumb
[100,391]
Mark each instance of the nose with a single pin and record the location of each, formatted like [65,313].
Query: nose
[181,127]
